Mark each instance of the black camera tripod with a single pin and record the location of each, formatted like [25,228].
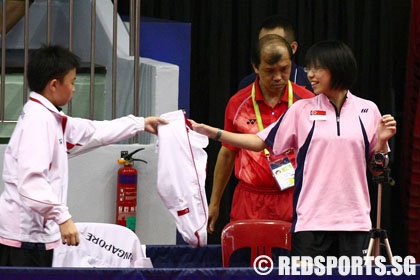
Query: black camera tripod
[377,234]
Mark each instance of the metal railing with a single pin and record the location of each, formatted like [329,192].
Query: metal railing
[134,51]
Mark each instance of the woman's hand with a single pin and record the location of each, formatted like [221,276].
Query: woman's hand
[387,128]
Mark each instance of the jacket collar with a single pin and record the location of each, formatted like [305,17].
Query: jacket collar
[39,98]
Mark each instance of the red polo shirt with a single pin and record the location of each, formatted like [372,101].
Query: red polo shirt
[257,194]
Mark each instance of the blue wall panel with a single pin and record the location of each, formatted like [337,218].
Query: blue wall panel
[169,41]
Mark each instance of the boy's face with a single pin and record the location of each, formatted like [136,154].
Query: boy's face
[65,89]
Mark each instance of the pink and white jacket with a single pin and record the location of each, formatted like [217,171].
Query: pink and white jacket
[35,171]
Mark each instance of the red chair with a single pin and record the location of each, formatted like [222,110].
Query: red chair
[259,235]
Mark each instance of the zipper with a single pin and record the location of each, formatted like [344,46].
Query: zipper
[337,118]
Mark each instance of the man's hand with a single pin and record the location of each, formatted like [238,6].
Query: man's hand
[213,216]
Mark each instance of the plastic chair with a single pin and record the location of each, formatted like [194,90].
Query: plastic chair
[103,245]
[259,235]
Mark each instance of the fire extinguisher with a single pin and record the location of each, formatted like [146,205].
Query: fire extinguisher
[127,190]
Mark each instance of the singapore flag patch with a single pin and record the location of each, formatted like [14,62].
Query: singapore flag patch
[318,115]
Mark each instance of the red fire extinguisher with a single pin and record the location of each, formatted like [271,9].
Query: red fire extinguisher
[127,190]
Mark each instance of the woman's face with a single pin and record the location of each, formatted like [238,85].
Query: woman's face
[320,78]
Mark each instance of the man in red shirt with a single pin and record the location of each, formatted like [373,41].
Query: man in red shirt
[257,195]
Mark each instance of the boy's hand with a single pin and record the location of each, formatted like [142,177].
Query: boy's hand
[151,124]
[69,233]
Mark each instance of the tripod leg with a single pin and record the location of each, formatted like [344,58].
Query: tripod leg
[369,250]
[388,250]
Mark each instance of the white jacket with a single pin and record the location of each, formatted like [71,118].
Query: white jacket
[35,171]
[182,163]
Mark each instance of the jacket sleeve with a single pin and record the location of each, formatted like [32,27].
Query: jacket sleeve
[84,135]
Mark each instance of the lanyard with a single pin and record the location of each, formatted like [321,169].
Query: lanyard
[258,113]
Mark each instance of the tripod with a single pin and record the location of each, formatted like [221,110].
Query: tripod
[377,234]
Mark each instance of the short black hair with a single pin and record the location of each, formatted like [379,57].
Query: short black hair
[338,58]
[278,21]
[47,63]
[265,40]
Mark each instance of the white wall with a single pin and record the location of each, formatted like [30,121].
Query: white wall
[93,187]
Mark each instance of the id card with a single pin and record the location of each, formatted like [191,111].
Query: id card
[284,172]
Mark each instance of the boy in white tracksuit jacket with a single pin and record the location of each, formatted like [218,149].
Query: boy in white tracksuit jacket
[34,217]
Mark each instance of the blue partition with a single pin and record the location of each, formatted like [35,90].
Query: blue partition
[169,41]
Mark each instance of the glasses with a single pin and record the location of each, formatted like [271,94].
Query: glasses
[313,69]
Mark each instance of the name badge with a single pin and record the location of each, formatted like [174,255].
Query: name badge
[284,173]
[318,115]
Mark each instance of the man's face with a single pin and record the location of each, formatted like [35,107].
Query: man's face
[274,69]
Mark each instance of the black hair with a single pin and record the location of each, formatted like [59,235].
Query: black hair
[47,63]
[338,58]
[265,40]
[277,21]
